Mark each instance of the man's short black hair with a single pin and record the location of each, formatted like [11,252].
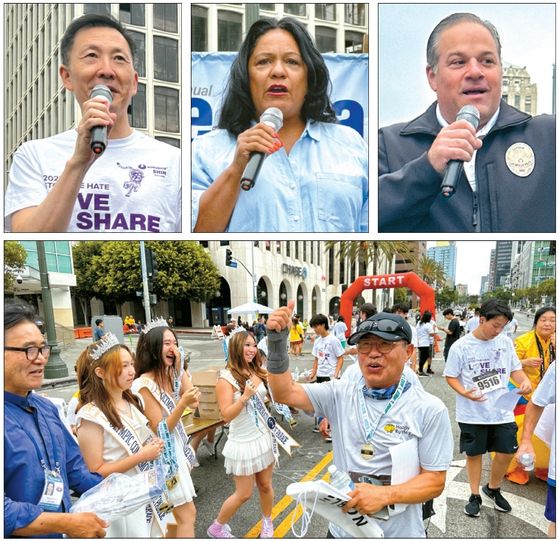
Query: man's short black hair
[369,308]
[97,321]
[17,312]
[401,307]
[448,311]
[319,319]
[93,20]
[494,308]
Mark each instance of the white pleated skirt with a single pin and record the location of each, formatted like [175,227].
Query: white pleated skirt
[248,457]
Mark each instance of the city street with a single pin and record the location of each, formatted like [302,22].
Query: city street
[311,460]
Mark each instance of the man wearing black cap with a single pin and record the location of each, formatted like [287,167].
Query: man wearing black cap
[369,421]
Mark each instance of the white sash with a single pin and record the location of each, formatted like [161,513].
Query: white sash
[279,435]
[169,406]
[130,441]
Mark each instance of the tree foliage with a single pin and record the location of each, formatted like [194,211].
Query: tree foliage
[446,296]
[547,288]
[14,262]
[400,294]
[431,272]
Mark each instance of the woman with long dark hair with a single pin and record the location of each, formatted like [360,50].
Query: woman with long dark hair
[316,175]
[167,391]
[248,451]
[107,405]
[425,331]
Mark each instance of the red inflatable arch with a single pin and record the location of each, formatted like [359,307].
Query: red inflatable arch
[405,279]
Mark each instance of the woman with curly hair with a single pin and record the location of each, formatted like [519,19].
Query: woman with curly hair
[107,407]
[315,177]
[167,391]
[248,451]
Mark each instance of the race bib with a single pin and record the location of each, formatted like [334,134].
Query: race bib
[488,382]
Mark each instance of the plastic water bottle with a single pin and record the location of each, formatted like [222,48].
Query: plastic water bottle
[527,461]
[340,480]
[296,374]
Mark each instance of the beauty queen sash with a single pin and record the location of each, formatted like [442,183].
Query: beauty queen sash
[130,441]
[260,414]
[169,406]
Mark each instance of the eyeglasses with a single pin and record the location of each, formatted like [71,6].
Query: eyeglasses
[32,352]
[383,346]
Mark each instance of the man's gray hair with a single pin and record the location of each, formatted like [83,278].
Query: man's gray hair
[452,20]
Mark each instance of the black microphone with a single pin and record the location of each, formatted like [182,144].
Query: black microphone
[99,133]
[454,167]
[274,118]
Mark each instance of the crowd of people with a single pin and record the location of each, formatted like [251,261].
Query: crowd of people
[143,395]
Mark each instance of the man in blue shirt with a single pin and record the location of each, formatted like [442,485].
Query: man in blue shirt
[98,332]
[38,449]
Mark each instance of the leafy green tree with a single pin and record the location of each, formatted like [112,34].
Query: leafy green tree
[185,271]
[400,294]
[84,254]
[431,272]
[547,288]
[446,296]
[14,262]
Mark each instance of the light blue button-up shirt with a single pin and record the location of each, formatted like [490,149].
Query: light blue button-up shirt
[322,186]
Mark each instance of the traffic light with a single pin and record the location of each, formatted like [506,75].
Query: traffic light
[151,267]
[228,257]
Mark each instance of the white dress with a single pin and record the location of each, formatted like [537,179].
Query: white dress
[134,524]
[184,491]
[248,449]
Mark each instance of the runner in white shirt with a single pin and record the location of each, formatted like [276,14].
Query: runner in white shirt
[340,329]
[327,351]
[478,369]
[425,333]
[413,418]
[473,322]
[543,396]
[510,328]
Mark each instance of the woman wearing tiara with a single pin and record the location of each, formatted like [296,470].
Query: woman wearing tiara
[248,451]
[106,408]
[167,391]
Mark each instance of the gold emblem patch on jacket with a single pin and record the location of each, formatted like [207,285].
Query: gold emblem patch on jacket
[520,159]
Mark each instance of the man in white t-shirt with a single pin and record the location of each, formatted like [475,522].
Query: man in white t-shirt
[510,328]
[340,329]
[60,184]
[543,396]
[327,351]
[395,411]
[478,369]
[473,323]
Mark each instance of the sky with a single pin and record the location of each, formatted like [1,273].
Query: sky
[472,262]
[527,39]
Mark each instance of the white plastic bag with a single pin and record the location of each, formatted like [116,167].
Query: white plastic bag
[119,495]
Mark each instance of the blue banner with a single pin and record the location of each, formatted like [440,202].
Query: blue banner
[349,74]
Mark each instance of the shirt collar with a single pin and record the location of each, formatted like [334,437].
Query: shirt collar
[479,133]
[17,400]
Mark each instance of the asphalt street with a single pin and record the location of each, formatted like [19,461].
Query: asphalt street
[310,462]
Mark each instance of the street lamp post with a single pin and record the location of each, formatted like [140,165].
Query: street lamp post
[55,367]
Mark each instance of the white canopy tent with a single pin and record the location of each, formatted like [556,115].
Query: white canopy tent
[251,308]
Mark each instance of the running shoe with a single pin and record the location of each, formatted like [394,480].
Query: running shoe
[473,506]
[209,446]
[316,429]
[267,531]
[430,372]
[220,531]
[196,463]
[328,439]
[495,494]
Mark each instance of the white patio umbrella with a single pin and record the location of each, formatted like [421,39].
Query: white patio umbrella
[251,308]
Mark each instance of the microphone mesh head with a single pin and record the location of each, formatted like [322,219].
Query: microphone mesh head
[470,114]
[273,116]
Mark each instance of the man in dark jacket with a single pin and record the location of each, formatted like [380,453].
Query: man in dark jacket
[508,183]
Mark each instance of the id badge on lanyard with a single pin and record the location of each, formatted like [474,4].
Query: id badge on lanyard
[52,492]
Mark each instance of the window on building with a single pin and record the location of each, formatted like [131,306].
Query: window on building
[170,141]
[505,97]
[165,17]
[295,9]
[137,117]
[312,252]
[229,30]
[331,266]
[166,56]
[325,39]
[199,27]
[167,112]
[353,42]
[305,250]
[97,8]
[140,41]
[326,12]
[268,246]
[288,248]
[353,266]
[267,7]
[278,247]
[57,254]
[224,243]
[528,104]
[318,256]
[296,249]
[517,100]
[355,14]
[132,14]
[342,271]
[204,243]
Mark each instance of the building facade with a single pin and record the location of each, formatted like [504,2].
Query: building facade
[36,103]
[445,253]
[418,249]
[504,260]
[336,28]
[517,90]
[536,263]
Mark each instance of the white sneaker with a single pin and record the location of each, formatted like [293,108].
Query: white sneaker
[196,463]
[209,446]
